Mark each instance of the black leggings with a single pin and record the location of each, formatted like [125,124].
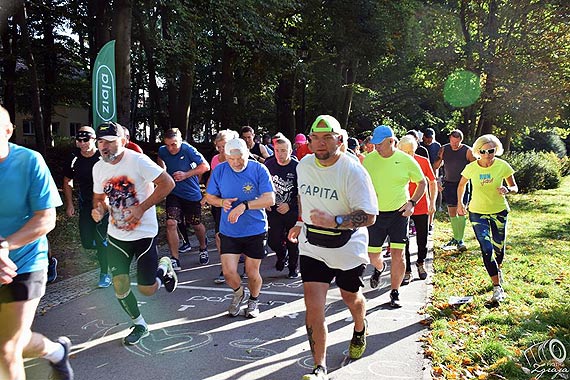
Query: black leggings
[422,230]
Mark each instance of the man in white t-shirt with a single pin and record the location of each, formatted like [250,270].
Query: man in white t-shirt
[129,185]
[336,199]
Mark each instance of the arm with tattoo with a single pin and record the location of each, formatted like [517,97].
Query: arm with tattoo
[357,219]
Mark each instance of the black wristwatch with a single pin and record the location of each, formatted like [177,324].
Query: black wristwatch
[339,220]
[246,204]
[412,202]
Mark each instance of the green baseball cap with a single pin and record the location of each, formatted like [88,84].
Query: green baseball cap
[329,124]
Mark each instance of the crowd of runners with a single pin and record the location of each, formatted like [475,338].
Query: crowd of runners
[327,204]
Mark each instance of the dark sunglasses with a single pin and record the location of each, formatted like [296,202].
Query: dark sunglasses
[488,151]
[83,139]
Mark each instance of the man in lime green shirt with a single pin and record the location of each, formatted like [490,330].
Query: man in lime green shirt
[391,170]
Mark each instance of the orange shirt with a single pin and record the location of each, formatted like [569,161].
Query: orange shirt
[422,205]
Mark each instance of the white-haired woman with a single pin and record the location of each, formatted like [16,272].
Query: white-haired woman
[491,178]
[425,207]
[219,142]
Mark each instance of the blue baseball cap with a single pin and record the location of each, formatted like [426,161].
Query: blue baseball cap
[381,133]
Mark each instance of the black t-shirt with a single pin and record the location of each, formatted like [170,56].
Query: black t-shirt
[80,170]
[285,182]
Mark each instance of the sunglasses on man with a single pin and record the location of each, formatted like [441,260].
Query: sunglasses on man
[82,139]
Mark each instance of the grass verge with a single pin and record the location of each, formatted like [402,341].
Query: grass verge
[475,340]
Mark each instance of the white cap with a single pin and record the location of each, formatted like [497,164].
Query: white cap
[235,147]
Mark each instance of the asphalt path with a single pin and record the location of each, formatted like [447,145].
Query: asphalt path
[192,336]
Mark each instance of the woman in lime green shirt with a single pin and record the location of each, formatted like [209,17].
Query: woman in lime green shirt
[491,179]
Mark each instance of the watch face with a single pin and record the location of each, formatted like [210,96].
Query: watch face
[339,219]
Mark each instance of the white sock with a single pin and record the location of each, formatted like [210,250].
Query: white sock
[159,281]
[55,352]
[140,321]
[163,267]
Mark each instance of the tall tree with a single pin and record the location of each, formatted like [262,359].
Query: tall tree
[22,18]
[122,26]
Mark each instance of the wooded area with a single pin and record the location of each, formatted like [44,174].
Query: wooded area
[276,64]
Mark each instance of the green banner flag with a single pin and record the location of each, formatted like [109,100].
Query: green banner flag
[104,86]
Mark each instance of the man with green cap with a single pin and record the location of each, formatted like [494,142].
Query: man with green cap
[336,199]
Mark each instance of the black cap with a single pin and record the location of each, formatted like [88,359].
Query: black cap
[110,131]
[352,143]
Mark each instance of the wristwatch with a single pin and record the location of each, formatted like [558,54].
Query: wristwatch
[246,204]
[412,202]
[339,220]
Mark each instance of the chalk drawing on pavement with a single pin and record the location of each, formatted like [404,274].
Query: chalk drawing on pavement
[390,369]
[250,350]
[98,328]
[170,340]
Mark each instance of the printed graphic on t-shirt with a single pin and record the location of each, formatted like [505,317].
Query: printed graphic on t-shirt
[248,187]
[122,195]
[485,178]
[283,188]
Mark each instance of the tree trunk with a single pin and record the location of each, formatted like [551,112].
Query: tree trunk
[488,114]
[285,96]
[9,38]
[348,92]
[185,100]
[508,139]
[35,88]
[122,22]
[50,61]
[155,114]
[226,116]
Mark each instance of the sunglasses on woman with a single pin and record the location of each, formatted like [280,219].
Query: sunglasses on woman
[487,151]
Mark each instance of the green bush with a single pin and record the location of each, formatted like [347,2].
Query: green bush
[547,141]
[535,170]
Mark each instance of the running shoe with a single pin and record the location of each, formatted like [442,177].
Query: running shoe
[319,373]
[203,256]
[105,280]
[175,264]
[62,370]
[450,245]
[461,247]
[244,275]
[238,298]
[499,294]
[394,298]
[252,310]
[407,278]
[280,264]
[293,274]
[139,332]
[52,270]
[169,279]
[358,343]
[387,253]
[220,279]
[375,278]
[421,271]
[185,248]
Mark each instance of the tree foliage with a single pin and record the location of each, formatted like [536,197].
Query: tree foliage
[206,65]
